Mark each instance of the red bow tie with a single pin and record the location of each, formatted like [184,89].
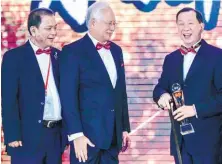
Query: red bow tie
[185,50]
[46,51]
[106,46]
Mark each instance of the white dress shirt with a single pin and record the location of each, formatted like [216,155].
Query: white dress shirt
[52,109]
[187,62]
[109,63]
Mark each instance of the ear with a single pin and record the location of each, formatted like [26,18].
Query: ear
[92,22]
[33,30]
[202,27]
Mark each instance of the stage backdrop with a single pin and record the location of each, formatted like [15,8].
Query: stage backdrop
[146,32]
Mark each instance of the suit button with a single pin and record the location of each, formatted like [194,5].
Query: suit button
[112,110]
[39,121]
[42,103]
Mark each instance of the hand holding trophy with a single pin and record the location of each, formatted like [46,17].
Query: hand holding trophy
[185,126]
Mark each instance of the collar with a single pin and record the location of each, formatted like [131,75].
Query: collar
[34,47]
[93,39]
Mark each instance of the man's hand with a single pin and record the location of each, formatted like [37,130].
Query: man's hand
[164,101]
[184,112]
[126,141]
[80,146]
[15,144]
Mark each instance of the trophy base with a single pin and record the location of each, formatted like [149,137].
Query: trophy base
[186,128]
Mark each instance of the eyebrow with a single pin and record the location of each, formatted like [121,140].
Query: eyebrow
[110,20]
[183,20]
[51,25]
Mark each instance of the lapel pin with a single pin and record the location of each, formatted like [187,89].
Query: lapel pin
[55,55]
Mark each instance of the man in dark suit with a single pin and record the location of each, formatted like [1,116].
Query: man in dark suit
[196,66]
[31,110]
[93,91]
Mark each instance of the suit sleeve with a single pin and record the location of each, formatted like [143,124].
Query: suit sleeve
[162,85]
[10,111]
[126,123]
[214,105]
[69,86]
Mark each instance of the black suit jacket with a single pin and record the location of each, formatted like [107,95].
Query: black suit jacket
[91,105]
[23,98]
[202,87]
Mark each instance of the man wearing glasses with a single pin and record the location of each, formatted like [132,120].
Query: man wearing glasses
[93,92]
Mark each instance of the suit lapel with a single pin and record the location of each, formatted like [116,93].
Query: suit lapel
[197,62]
[32,63]
[178,67]
[54,58]
[96,59]
[116,61]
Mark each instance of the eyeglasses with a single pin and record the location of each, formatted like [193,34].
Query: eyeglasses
[111,23]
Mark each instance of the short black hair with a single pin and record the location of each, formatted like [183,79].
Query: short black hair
[34,18]
[186,9]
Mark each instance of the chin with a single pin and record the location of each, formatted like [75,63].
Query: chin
[188,42]
[50,44]
[108,36]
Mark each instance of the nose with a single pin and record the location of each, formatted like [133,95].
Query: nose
[186,27]
[112,26]
[53,31]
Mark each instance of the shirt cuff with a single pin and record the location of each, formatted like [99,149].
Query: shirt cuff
[195,110]
[75,136]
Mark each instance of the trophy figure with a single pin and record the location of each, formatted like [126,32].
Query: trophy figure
[185,126]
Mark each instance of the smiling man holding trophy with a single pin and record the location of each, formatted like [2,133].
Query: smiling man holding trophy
[190,87]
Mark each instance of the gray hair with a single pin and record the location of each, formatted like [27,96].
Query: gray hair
[94,11]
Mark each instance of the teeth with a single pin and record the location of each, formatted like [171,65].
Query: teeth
[186,35]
